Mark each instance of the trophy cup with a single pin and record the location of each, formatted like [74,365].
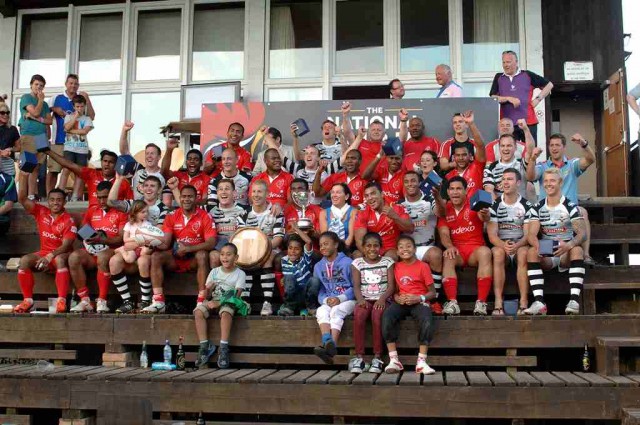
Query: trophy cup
[302,200]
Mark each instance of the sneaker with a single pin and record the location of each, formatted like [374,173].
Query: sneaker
[588,261]
[285,311]
[24,307]
[84,306]
[156,307]
[304,313]
[143,304]
[377,365]
[451,308]
[266,309]
[223,356]
[326,352]
[101,306]
[480,309]
[436,307]
[572,308]
[423,368]
[61,306]
[127,307]
[356,365]
[204,354]
[394,366]
[537,308]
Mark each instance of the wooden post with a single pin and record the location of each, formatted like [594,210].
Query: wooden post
[512,352]
[58,347]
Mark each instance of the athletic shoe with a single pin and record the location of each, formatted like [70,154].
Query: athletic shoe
[377,365]
[423,368]
[204,354]
[588,261]
[394,366]
[101,306]
[285,311]
[330,346]
[127,307]
[537,308]
[266,309]
[156,307]
[572,308]
[84,306]
[326,352]
[451,308]
[223,356]
[24,307]
[143,304]
[356,365]
[61,305]
[480,309]
[436,307]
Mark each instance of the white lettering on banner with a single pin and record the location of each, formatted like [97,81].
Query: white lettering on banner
[461,230]
[389,120]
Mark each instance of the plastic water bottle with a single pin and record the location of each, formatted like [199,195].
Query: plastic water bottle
[167,352]
[144,360]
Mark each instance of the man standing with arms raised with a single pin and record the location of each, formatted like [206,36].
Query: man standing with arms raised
[471,170]
[151,167]
[192,176]
[417,143]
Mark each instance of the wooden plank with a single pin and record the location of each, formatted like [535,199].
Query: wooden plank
[343,377]
[631,416]
[523,379]
[128,375]
[16,419]
[410,378]
[255,377]
[168,377]
[190,376]
[277,377]
[547,379]
[365,378]
[435,380]
[634,376]
[211,377]
[501,379]
[478,379]
[322,377]
[570,379]
[607,358]
[108,374]
[77,372]
[595,380]
[146,376]
[619,341]
[300,377]
[388,379]
[32,353]
[455,379]
[8,373]
[85,375]
[233,377]
[621,381]
[8,368]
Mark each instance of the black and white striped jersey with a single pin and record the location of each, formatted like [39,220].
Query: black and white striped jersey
[228,220]
[511,218]
[493,175]
[556,222]
[157,212]
[423,216]
[241,181]
[270,225]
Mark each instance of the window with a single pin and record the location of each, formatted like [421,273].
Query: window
[158,47]
[420,93]
[43,49]
[218,42]
[359,37]
[108,123]
[295,39]
[100,48]
[150,112]
[476,89]
[489,28]
[281,95]
[423,47]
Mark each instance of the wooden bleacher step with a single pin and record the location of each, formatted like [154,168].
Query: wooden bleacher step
[631,416]
[608,352]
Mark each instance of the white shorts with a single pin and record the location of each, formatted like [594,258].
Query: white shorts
[334,316]
[556,263]
[421,251]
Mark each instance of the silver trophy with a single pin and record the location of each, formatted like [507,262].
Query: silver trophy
[302,200]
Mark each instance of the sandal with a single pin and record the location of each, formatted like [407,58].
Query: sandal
[520,311]
[498,311]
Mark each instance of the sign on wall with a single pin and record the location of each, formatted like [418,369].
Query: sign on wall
[578,71]
[436,114]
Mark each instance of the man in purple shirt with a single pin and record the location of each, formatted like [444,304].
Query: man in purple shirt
[514,90]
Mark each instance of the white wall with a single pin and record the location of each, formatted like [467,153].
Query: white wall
[8,37]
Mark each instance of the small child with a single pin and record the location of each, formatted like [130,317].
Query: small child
[300,287]
[373,286]
[225,284]
[415,288]
[77,126]
[133,242]
[336,297]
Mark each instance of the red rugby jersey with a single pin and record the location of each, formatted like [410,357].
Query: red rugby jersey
[192,231]
[465,227]
[92,177]
[53,230]
[278,187]
[381,223]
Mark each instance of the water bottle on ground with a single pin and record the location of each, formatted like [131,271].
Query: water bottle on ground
[144,360]
[167,352]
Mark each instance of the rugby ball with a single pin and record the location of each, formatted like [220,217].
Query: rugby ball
[150,233]
[95,248]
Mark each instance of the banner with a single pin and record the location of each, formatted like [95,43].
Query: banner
[436,114]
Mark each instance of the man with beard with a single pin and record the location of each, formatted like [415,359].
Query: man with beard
[235,135]
[192,176]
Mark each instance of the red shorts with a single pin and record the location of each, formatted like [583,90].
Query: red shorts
[94,258]
[53,267]
[183,265]
[466,251]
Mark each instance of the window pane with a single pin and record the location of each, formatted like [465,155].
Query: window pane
[423,47]
[43,49]
[149,112]
[158,50]
[359,36]
[477,89]
[108,123]
[100,47]
[489,28]
[281,95]
[218,42]
[295,39]
[420,93]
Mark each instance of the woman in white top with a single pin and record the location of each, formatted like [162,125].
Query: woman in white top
[340,217]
